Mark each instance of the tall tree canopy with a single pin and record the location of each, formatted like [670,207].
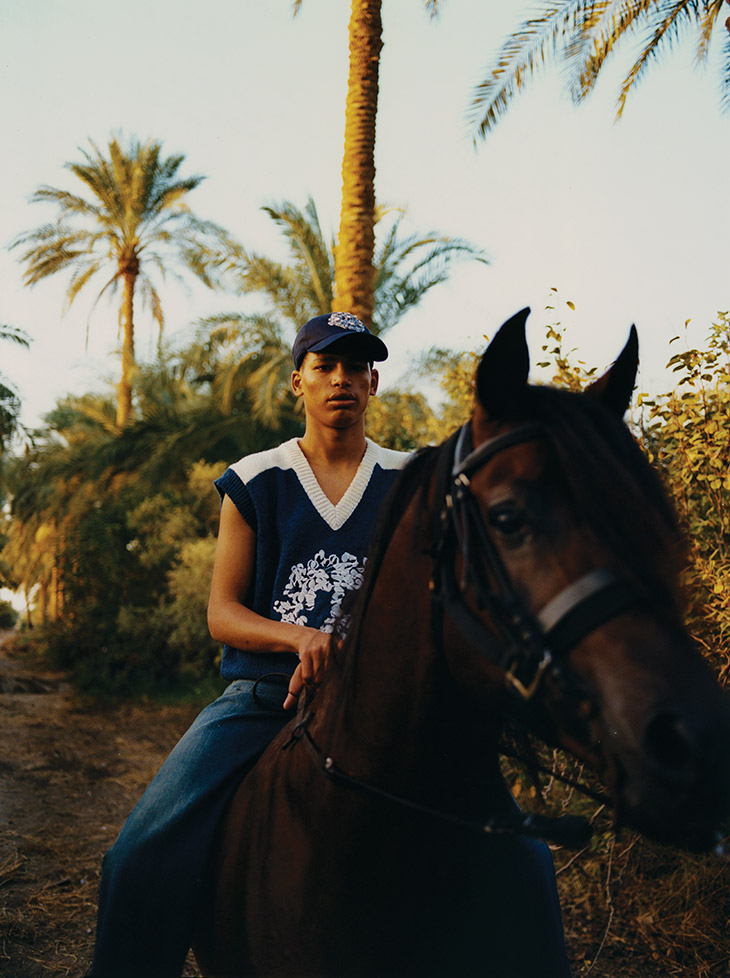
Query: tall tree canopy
[354,272]
[252,351]
[583,34]
[133,223]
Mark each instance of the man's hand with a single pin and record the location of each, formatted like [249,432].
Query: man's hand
[313,657]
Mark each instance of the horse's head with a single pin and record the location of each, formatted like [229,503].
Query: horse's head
[564,568]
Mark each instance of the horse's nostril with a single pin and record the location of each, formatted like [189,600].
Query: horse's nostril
[669,743]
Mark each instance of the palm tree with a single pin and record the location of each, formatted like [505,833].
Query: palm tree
[135,221]
[354,272]
[583,35]
[252,352]
[9,400]
[354,286]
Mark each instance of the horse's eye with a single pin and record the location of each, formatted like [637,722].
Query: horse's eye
[509,522]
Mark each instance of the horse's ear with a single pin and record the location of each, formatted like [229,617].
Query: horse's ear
[615,387]
[502,372]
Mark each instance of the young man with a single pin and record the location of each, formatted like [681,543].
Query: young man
[294,528]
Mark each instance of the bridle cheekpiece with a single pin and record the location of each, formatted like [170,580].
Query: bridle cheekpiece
[525,646]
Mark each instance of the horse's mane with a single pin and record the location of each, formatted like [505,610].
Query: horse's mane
[412,478]
[614,490]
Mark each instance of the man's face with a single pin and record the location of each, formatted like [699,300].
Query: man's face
[335,387]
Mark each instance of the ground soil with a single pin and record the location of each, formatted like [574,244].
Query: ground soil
[70,773]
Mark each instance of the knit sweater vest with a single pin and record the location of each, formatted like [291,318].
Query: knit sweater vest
[309,551]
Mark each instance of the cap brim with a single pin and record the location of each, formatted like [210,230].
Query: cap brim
[366,345]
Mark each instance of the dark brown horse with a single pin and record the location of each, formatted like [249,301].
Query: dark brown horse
[528,569]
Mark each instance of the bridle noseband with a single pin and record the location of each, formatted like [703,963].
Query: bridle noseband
[525,646]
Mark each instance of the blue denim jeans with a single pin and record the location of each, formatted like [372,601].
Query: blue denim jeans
[151,877]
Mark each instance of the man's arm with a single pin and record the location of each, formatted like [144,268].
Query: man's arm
[231,622]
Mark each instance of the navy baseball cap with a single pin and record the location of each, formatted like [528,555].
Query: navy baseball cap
[323,331]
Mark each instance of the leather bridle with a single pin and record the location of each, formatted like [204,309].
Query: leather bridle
[525,646]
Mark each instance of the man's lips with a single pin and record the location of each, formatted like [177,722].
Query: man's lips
[342,399]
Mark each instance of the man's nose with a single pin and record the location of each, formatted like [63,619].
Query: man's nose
[340,376]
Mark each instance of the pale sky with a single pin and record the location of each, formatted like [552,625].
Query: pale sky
[628,220]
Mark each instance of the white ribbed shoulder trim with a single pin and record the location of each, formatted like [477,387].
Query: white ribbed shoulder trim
[388,458]
[250,466]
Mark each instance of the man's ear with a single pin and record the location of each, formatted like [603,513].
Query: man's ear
[374,380]
[296,383]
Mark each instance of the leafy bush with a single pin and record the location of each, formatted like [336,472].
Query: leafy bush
[8,615]
[134,588]
[188,586]
[687,435]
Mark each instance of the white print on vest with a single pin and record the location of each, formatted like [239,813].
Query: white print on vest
[334,575]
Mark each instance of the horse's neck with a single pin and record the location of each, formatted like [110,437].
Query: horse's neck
[402,721]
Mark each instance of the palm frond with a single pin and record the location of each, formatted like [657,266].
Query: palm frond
[665,31]
[584,35]
[707,19]
[596,39]
[406,269]
[522,55]
[308,249]
[67,202]
[80,277]
[14,334]
[725,80]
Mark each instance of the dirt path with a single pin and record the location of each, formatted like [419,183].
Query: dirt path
[68,778]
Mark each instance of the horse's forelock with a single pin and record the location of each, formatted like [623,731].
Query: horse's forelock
[613,487]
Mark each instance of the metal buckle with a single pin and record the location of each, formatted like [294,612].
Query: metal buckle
[527,692]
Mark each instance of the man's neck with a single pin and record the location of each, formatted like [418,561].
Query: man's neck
[334,455]
[334,446]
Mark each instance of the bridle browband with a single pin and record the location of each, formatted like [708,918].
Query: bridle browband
[526,647]
[523,645]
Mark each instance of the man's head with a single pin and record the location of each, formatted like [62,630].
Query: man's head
[337,332]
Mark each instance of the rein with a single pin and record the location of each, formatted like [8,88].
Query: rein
[571,831]
[524,646]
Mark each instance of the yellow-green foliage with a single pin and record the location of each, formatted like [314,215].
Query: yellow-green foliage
[404,419]
[457,384]
[687,434]
[400,420]
[188,586]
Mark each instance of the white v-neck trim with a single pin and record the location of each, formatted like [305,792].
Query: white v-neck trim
[334,515]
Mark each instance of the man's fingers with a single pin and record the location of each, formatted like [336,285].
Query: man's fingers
[306,669]
[310,670]
[295,685]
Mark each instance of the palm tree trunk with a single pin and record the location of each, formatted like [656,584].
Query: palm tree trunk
[124,398]
[354,273]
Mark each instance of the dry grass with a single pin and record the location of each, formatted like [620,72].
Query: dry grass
[633,908]
[70,775]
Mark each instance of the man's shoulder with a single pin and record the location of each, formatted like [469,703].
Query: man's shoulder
[388,458]
[251,466]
